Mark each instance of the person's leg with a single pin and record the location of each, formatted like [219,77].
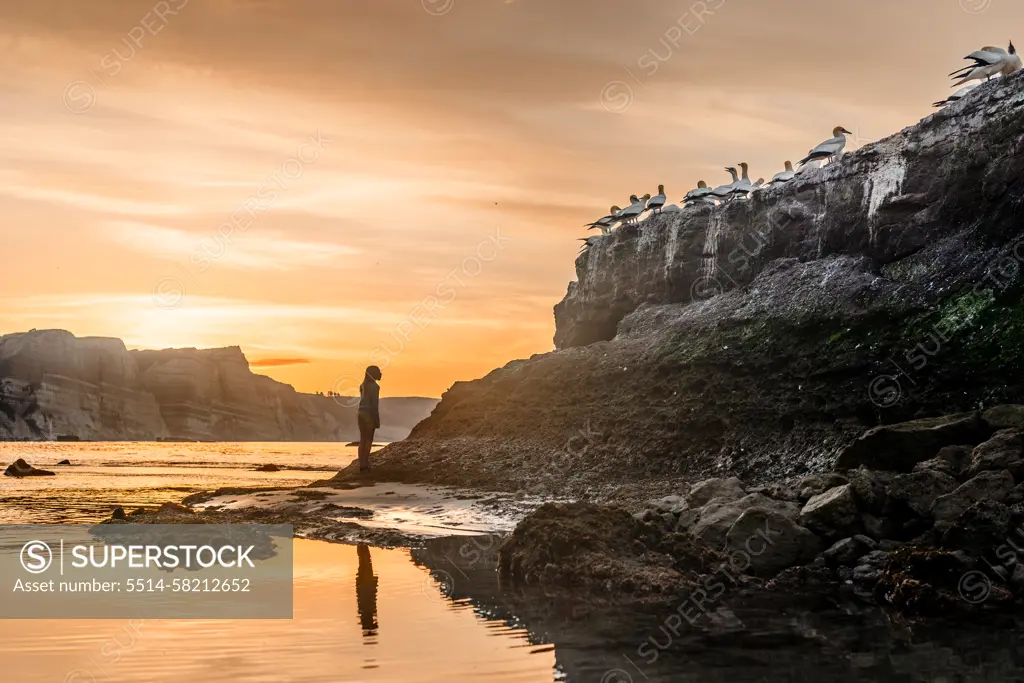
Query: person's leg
[365,442]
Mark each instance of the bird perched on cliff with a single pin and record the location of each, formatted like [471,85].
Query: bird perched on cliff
[657,201]
[830,149]
[700,195]
[987,62]
[632,212]
[606,223]
[672,208]
[784,176]
[957,96]
[724,192]
[743,186]
[591,241]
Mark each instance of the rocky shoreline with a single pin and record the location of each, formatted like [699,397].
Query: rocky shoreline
[924,518]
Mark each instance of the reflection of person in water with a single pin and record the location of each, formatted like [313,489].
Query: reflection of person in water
[366,591]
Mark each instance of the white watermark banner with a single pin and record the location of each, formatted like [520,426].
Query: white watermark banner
[141,571]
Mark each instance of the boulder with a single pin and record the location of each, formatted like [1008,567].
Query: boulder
[868,489]
[848,550]
[118,513]
[979,530]
[899,447]
[995,486]
[920,489]
[816,484]
[20,468]
[673,504]
[1004,451]
[268,468]
[831,513]
[1004,417]
[951,460]
[868,569]
[718,516]
[64,462]
[764,542]
[878,528]
[703,492]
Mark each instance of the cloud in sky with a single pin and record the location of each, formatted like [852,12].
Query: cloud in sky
[129,141]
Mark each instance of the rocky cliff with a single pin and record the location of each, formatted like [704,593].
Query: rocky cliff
[53,384]
[758,337]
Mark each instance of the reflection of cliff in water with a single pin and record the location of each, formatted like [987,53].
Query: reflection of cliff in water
[741,640]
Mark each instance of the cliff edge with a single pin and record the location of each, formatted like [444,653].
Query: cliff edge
[758,337]
[54,385]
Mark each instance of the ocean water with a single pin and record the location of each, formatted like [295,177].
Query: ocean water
[103,476]
[438,613]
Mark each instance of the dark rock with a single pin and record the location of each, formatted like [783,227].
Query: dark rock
[268,468]
[831,513]
[118,513]
[687,519]
[766,542]
[816,484]
[899,447]
[979,529]
[20,468]
[994,486]
[673,504]
[847,551]
[1004,417]
[703,492]
[64,462]
[586,546]
[920,489]
[1016,495]
[719,515]
[888,545]
[1004,451]
[878,528]
[868,489]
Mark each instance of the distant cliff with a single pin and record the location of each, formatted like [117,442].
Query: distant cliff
[758,337]
[53,384]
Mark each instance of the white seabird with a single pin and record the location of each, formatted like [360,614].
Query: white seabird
[723,192]
[743,186]
[658,200]
[831,148]
[592,241]
[701,194]
[958,95]
[632,212]
[989,61]
[607,222]
[784,176]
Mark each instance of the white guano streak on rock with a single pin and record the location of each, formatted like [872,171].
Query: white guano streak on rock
[709,264]
[884,181]
[672,245]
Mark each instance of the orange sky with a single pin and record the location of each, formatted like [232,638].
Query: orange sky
[406,178]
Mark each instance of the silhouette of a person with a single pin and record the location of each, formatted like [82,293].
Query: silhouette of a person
[366,591]
[368,415]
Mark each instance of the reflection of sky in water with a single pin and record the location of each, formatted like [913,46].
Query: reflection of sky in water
[106,475]
[361,614]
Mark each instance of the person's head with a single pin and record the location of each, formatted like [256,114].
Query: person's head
[374,373]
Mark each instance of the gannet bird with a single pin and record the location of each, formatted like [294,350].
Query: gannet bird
[784,176]
[724,192]
[701,194]
[591,241]
[671,208]
[958,95]
[658,200]
[743,186]
[988,62]
[759,183]
[632,212]
[830,149]
[607,222]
